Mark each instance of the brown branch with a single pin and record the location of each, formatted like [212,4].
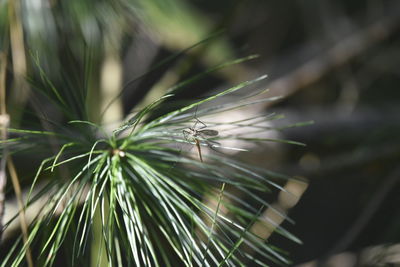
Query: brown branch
[18,193]
[20,95]
[20,90]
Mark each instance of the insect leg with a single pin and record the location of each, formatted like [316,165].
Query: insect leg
[185,134]
[199,149]
[203,125]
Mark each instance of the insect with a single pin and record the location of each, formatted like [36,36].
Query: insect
[199,134]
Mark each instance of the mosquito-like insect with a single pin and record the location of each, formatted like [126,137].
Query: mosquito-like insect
[199,134]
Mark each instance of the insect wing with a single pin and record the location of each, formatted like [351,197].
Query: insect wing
[209,132]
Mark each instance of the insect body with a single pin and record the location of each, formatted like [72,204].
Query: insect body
[198,135]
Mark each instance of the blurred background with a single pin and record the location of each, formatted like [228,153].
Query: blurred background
[335,62]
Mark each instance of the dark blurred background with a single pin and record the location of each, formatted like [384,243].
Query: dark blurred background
[335,62]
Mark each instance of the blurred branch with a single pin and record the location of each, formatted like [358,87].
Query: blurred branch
[20,88]
[111,73]
[344,50]
[18,193]
[366,215]
[331,121]
[20,91]
[4,121]
[346,129]
[277,213]
[3,176]
[381,255]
